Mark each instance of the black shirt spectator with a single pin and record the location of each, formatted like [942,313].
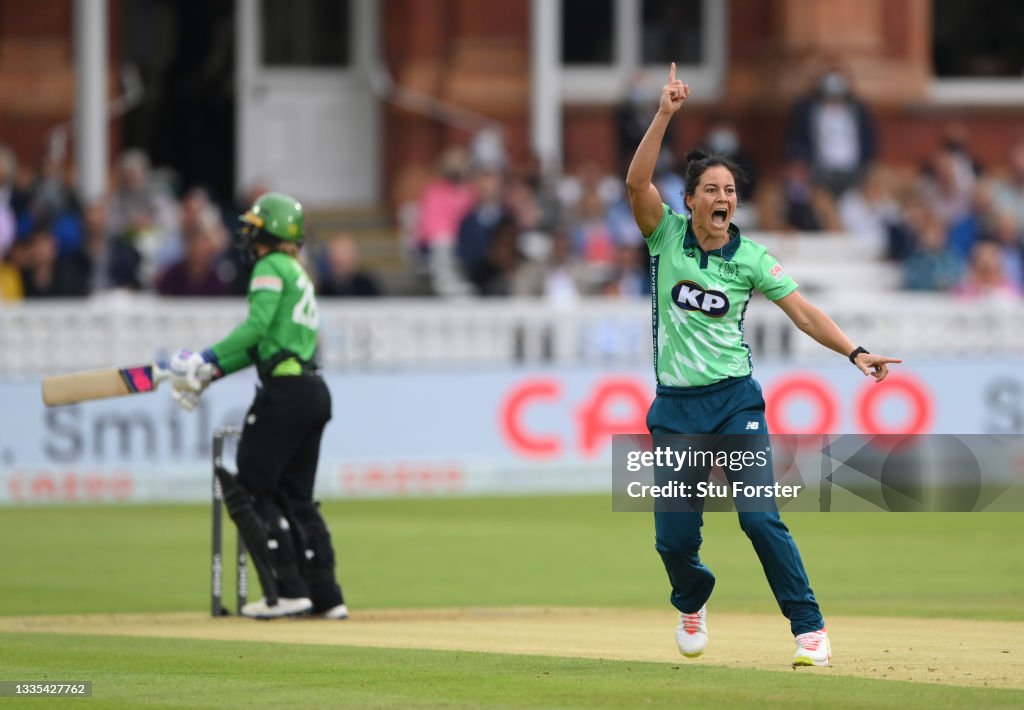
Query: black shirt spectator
[50,275]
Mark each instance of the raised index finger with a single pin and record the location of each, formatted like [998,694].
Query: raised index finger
[672,73]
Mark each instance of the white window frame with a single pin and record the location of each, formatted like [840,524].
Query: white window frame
[607,83]
[984,91]
[994,91]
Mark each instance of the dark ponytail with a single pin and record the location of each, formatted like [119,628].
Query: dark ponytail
[695,155]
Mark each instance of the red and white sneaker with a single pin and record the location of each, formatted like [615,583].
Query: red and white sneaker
[692,633]
[813,649]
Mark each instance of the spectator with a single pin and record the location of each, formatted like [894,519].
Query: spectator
[1007,235]
[477,227]
[986,277]
[631,276]
[198,271]
[532,198]
[194,208]
[956,141]
[342,274]
[139,203]
[593,239]
[588,177]
[806,206]
[868,213]
[903,231]
[53,206]
[440,209]
[932,265]
[48,274]
[534,221]
[103,262]
[834,132]
[12,262]
[103,255]
[495,274]
[966,230]
[145,216]
[948,187]
[8,215]
[1008,193]
[559,278]
[126,264]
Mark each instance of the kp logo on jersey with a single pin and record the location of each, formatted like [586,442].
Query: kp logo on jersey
[692,297]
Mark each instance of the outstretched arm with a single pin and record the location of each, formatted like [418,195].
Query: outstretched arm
[643,195]
[813,321]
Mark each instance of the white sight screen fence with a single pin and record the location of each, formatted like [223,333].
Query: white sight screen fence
[397,334]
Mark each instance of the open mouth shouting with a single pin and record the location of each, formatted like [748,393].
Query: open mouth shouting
[720,218]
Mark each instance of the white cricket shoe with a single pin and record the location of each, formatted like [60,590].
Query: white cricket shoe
[284,607]
[692,632]
[813,649]
[336,612]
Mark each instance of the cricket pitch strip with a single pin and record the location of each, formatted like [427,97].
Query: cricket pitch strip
[938,651]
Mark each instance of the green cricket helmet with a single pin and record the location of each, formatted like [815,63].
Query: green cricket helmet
[273,217]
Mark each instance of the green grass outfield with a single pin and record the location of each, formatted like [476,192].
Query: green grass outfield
[174,673]
[569,551]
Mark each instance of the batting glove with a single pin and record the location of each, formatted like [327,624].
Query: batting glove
[191,370]
[187,399]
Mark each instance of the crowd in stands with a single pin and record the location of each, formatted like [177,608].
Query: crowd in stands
[141,238]
[480,226]
[951,225]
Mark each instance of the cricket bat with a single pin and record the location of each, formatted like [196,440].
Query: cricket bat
[100,384]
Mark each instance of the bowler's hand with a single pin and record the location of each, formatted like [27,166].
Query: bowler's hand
[875,365]
[673,94]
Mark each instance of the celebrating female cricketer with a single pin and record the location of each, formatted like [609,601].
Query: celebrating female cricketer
[703,272]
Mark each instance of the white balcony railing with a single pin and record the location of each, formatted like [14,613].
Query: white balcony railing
[399,334]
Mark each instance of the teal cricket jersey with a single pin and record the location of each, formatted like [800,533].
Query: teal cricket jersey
[699,299]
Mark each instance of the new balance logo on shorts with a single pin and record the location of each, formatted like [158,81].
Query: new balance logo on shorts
[753,425]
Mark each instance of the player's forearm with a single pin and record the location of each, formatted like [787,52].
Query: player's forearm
[641,168]
[230,362]
[823,330]
[234,352]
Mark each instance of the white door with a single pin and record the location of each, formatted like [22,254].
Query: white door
[307,118]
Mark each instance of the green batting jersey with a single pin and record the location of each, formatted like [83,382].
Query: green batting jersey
[699,299]
[282,317]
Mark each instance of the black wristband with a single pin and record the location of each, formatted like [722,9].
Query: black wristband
[855,353]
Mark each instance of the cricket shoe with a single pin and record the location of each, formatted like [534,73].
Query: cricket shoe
[813,649]
[284,607]
[692,632]
[339,612]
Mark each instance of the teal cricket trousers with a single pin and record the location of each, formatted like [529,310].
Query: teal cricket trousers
[731,415]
